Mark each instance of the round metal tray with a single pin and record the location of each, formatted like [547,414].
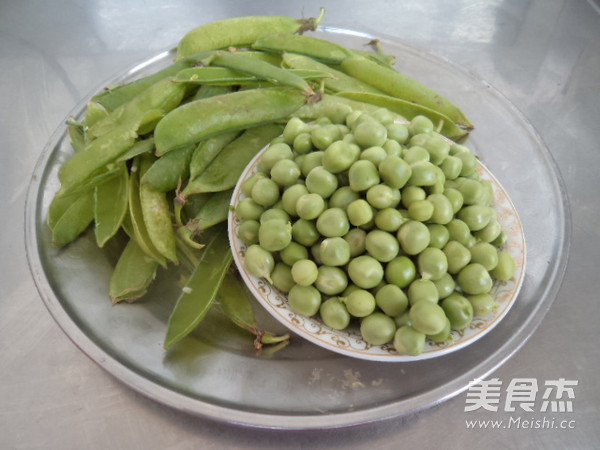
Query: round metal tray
[215,374]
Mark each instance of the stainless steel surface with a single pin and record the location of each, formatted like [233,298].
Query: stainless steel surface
[544,56]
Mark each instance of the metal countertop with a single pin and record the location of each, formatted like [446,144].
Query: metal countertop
[543,55]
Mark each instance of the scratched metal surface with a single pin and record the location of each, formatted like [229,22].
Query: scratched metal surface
[544,56]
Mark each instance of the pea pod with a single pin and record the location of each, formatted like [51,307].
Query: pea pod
[201,289]
[222,76]
[201,119]
[240,32]
[207,91]
[74,220]
[214,211]
[110,206]
[139,148]
[319,49]
[132,275]
[208,150]
[224,171]
[408,110]
[400,86]
[166,173]
[157,215]
[76,136]
[93,113]
[337,81]
[379,58]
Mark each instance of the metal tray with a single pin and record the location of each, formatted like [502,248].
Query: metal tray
[215,373]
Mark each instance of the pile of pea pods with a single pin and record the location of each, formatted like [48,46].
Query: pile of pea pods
[156,159]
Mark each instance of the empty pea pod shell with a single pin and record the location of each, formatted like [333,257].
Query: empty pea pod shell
[167,172]
[214,211]
[110,205]
[319,49]
[74,220]
[132,275]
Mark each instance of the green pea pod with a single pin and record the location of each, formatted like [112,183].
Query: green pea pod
[319,49]
[240,32]
[261,70]
[216,76]
[139,148]
[207,91]
[409,110]
[116,96]
[192,122]
[234,300]
[138,228]
[208,150]
[337,81]
[76,136]
[400,86]
[214,211]
[132,275]
[194,203]
[161,97]
[157,215]
[201,289]
[224,171]
[74,220]
[93,113]
[110,205]
[379,58]
[271,58]
[95,156]
[169,171]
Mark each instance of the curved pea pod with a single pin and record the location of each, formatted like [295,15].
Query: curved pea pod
[400,86]
[240,32]
[319,49]
[201,289]
[74,220]
[217,76]
[336,81]
[214,211]
[132,275]
[166,173]
[157,216]
[207,91]
[379,58]
[159,98]
[224,171]
[204,118]
[110,205]
[208,150]
[94,112]
[139,148]
[409,110]
[116,96]
[234,300]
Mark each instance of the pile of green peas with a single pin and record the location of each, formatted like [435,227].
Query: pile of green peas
[360,218]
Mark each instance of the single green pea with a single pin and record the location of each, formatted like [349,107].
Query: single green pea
[400,271]
[259,262]
[500,240]
[334,313]
[352,116]
[418,139]
[420,210]
[458,256]
[384,116]
[293,252]
[388,219]
[484,254]
[414,237]
[395,172]
[305,272]
[427,317]
[438,149]
[444,335]
[374,154]
[333,222]
[339,156]
[275,235]
[337,112]
[360,303]
[335,251]
[412,194]
[323,121]
[391,300]
[359,212]
[506,267]
[432,263]
[445,285]
[398,132]
[392,148]
[474,279]
[469,163]
[455,197]
[312,160]
[402,320]
[370,133]
[381,245]
[265,192]
[458,310]
[362,175]
[248,209]
[459,231]
[282,277]
[472,191]
[365,271]
[420,124]
[438,235]
[290,197]
[274,214]
[304,300]
[320,181]
[248,232]
[356,240]
[302,144]
[422,289]
[293,128]
[315,251]
[249,182]
[476,216]
[382,196]
[415,154]
[377,328]
[455,149]
[285,172]
[310,206]
[483,304]
[409,341]
[451,166]
[274,153]
[331,280]
[342,197]
[488,193]
[442,209]
[490,232]
[323,136]
[305,232]
[423,173]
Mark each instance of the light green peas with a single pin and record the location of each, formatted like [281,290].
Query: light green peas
[311,160]
[339,156]
[293,252]
[414,237]
[259,262]
[459,231]
[335,251]
[382,245]
[356,240]
[443,335]
[249,182]
[360,303]
[408,341]
[305,232]
[438,149]
[333,222]
[427,317]
[248,232]
[359,212]
[389,219]
[304,299]
[451,166]
[302,144]
[442,209]
[438,235]
[476,216]
[392,148]
[310,206]
[320,181]
[382,196]
[374,154]
[474,279]
[281,277]
[290,197]
[445,285]
[420,210]
[323,136]
[398,132]
[483,304]
[490,232]
[415,154]
[275,235]
[342,197]
[285,172]
[377,328]
[484,254]
[391,299]
[293,128]
[458,310]
[274,153]
[402,320]
[248,209]
[506,267]
[274,214]
[305,272]
[420,124]
[412,194]
[471,190]
[362,175]
[469,163]
[422,289]
[423,173]
[432,263]
[394,171]
[365,271]
[334,313]
[265,192]
[331,280]
[458,256]
[455,197]
[400,271]
[370,133]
